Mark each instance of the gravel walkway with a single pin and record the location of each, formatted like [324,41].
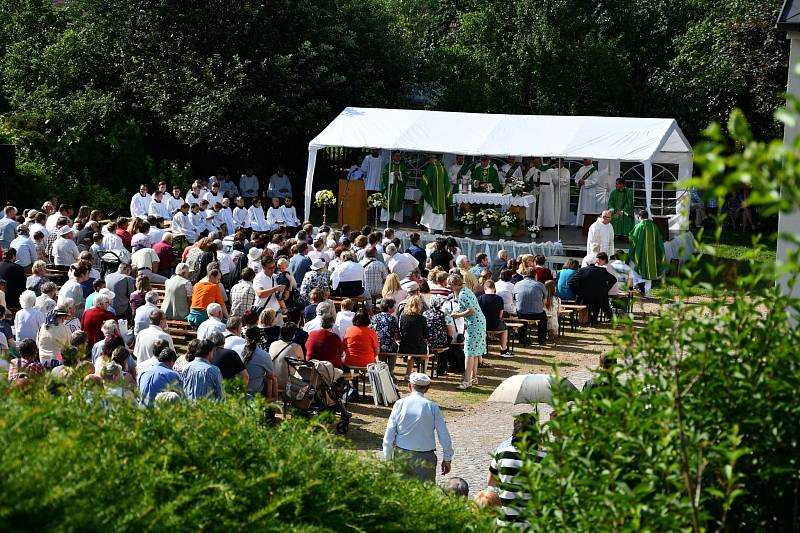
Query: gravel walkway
[477,432]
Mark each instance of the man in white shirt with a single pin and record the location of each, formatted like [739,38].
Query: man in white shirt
[158,207]
[233,335]
[146,262]
[279,185]
[65,251]
[248,185]
[64,210]
[412,428]
[268,291]
[214,322]
[601,233]
[141,319]
[140,202]
[143,349]
[399,263]
[325,308]
[347,278]
[25,247]
[112,241]
[344,318]
[505,290]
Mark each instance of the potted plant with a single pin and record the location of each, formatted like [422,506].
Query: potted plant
[486,219]
[534,230]
[324,199]
[377,201]
[467,220]
[508,222]
[516,187]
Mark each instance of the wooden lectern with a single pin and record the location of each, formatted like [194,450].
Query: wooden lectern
[352,201]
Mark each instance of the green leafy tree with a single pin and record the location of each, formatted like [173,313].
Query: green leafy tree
[695,427]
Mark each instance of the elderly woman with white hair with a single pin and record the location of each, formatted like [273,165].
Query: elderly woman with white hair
[28,320]
[37,278]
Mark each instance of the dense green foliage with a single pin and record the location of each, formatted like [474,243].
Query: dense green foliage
[74,465]
[97,94]
[696,428]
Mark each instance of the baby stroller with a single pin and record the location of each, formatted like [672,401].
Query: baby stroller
[110,260]
[316,386]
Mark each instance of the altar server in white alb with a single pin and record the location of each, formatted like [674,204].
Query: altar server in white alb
[290,213]
[456,173]
[372,166]
[279,185]
[601,235]
[158,207]
[214,196]
[275,214]
[563,180]
[532,176]
[174,200]
[257,219]
[248,185]
[140,203]
[587,179]
[546,217]
[226,215]
[195,194]
[197,218]
[182,224]
[241,217]
[512,169]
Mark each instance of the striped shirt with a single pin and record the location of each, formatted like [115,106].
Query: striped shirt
[505,466]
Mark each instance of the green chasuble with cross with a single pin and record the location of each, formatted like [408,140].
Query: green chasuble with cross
[397,194]
[622,204]
[436,189]
[647,249]
[486,175]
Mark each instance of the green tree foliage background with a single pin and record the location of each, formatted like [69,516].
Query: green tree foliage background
[97,93]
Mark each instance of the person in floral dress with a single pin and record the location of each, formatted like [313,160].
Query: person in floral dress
[474,328]
[386,326]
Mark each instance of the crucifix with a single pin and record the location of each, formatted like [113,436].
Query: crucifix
[536,190]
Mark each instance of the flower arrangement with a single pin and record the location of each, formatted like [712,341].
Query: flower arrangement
[534,230]
[325,198]
[516,187]
[508,220]
[377,200]
[487,218]
[467,218]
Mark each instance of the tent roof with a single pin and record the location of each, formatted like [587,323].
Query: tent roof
[789,17]
[621,138]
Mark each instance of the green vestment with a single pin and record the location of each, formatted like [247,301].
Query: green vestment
[647,249]
[436,189]
[397,194]
[486,175]
[622,204]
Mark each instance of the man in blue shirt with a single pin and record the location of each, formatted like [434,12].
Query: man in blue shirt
[411,428]
[159,377]
[417,252]
[529,297]
[201,379]
[300,263]
[481,264]
[8,226]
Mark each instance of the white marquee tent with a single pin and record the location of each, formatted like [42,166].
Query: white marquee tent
[608,140]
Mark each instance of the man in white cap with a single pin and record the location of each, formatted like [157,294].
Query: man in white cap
[411,428]
[65,251]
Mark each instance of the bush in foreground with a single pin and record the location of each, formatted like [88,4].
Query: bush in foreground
[69,464]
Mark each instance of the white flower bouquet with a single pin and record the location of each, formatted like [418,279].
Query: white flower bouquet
[325,198]
[508,220]
[377,200]
[487,218]
[516,187]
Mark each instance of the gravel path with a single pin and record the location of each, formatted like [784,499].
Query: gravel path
[477,432]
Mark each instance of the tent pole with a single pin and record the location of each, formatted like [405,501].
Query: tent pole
[558,202]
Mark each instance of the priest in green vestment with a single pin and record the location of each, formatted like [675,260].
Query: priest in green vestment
[486,174]
[646,249]
[621,204]
[393,187]
[437,195]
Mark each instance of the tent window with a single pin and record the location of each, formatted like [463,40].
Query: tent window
[664,178]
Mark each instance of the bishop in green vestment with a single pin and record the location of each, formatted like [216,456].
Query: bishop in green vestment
[646,248]
[396,172]
[486,173]
[437,195]
[621,202]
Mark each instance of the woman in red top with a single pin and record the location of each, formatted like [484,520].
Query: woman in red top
[360,342]
[542,272]
[325,345]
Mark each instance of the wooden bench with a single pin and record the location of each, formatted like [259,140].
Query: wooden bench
[421,360]
[181,338]
[181,325]
[581,310]
[337,300]
[513,331]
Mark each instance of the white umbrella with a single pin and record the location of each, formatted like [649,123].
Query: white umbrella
[529,388]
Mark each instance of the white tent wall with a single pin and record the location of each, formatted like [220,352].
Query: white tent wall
[608,140]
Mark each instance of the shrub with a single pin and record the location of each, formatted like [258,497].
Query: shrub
[71,464]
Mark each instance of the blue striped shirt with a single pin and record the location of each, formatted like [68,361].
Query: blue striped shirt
[201,379]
